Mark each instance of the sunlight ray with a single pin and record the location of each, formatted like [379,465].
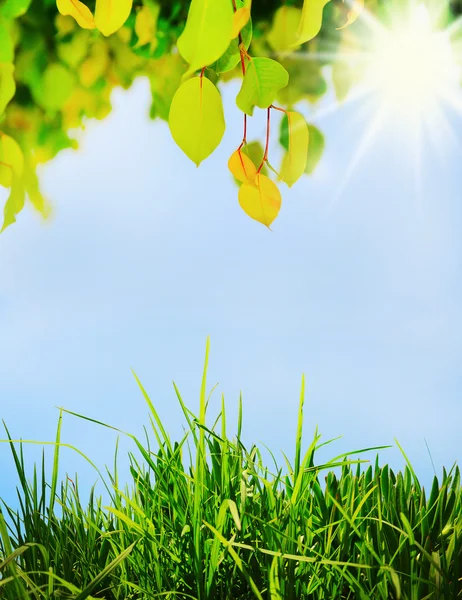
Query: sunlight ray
[366,142]
[368,19]
[455,27]
[358,94]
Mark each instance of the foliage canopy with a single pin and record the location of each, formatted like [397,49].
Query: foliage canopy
[60,60]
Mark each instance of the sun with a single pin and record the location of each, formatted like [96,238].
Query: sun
[407,72]
[412,68]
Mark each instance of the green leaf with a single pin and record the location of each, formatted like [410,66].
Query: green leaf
[196,118]
[14,8]
[255,151]
[283,33]
[165,81]
[316,149]
[306,80]
[263,79]
[311,20]
[232,56]
[74,50]
[342,78]
[6,41]
[56,86]
[316,144]
[294,161]
[14,204]
[207,33]
[11,160]
[7,85]
[34,194]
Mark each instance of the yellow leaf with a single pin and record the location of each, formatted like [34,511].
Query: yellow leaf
[207,33]
[124,34]
[73,50]
[294,161]
[146,25]
[11,160]
[110,15]
[356,9]
[342,78]
[196,118]
[14,204]
[34,194]
[261,200]
[310,20]
[283,32]
[64,25]
[242,167]
[96,65]
[81,13]
[240,20]
[7,85]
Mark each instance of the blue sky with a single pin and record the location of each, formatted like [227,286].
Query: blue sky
[146,255]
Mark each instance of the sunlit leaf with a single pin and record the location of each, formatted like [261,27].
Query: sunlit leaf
[64,25]
[34,194]
[196,118]
[310,21]
[232,56]
[342,79]
[165,80]
[294,161]
[11,160]
[346,70]
[74,49]
[13,205]
[261,200]
[96,65]
[110,15]
[207,33]
[283,33]
[7,85]
[306,80]
[263,79]
[255,151]
[56,87]
[316,149]
[81,13]
[6,41]
[242,167]
[356,9]
[11,9]
[146,24]
[240,19]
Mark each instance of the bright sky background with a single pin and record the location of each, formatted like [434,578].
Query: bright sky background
[359,287]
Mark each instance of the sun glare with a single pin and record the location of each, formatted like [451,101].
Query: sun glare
[408,72]
[412,68]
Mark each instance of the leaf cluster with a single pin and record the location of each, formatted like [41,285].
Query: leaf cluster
[61,59]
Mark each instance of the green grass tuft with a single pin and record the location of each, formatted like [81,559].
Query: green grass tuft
[223,526]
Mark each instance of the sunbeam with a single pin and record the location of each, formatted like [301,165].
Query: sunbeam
[408,71]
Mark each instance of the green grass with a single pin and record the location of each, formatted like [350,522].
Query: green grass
[204,518]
